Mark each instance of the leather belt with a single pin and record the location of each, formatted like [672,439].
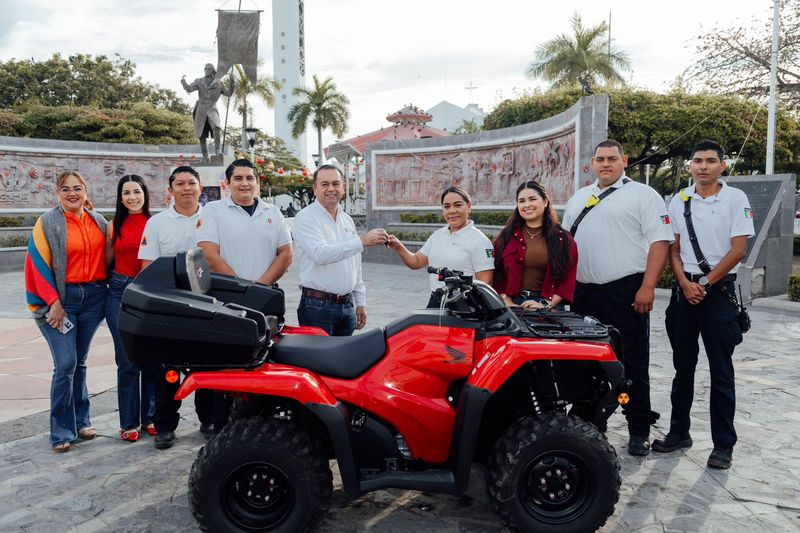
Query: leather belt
[694,278]
[327,296]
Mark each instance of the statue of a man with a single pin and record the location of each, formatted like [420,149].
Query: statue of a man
[206,117]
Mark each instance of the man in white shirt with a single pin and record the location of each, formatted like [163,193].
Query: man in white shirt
[703,299]
[623,233]
[167,233]
[329,259]
[243,235]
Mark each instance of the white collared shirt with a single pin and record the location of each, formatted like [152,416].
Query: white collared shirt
[467,250]
[614,238]
[168,233]
[716,220]
[247,243]
[328,252]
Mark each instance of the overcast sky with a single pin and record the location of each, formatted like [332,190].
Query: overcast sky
[383,54]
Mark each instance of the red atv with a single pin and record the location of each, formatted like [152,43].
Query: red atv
[410,406]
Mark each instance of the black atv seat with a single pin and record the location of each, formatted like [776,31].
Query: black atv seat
[337,357]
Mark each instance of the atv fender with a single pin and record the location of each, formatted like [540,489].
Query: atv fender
[268,380]
[499,358]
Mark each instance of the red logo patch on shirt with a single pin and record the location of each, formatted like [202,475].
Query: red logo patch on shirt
[199,223]
[269,221]
[665,219]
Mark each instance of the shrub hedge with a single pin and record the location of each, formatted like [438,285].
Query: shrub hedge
[12,222]
[488,218]
[794,288]
[13,241]
[667,279]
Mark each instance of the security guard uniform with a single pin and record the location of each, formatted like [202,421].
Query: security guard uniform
[716,219]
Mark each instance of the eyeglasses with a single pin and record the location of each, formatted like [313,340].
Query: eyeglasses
[76,189]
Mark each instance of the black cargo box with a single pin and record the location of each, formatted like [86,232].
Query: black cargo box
[177,313]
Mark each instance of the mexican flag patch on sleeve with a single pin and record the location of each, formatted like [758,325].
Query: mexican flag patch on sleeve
[748,213]
[489,252]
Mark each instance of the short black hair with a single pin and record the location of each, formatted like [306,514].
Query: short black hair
[707,144]
[180,170]
[610,143]
[239,163]
[327,166]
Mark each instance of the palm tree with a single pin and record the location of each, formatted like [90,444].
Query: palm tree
[264,89]
[324,105]
[585,54]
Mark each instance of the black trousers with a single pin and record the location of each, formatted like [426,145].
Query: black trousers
[167,417]
[611,303]
[713,319]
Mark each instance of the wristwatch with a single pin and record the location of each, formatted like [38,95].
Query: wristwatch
[704,282]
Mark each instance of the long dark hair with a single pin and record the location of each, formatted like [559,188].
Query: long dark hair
[121,212]
[558,240]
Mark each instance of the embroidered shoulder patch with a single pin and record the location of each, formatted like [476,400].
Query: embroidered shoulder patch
[490,252]
[144,241]
[665,219]
[748,213]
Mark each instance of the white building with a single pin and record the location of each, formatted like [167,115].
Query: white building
[289,67]
[448,116]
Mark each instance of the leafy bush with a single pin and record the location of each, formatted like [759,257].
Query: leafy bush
[12,222]
[794,288]
[487,218]
[13,241]
[422,236]
[667,279]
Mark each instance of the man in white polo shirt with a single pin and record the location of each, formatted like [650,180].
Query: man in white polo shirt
[623,233]
[167,233]
[704,300]
[329,259]
[243,235]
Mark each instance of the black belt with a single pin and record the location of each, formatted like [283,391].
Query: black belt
[528,294]
[694,278]
[327,296]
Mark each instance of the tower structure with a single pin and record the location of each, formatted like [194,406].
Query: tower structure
[289,67]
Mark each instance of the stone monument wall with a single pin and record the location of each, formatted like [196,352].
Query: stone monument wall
[409,176]
[29,168]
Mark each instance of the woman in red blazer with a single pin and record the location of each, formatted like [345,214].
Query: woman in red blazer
[536,260]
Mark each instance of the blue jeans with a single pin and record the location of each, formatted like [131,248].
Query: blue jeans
[84,305]
[133,409]
[338,320]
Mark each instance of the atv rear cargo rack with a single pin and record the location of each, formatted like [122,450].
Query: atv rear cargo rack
[553,324]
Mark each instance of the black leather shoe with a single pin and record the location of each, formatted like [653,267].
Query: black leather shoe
[207,430]
[164,440]
[672,442]
[638,446]
[721,457]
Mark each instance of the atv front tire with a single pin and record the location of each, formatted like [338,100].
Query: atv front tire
[260,474]
[553,473]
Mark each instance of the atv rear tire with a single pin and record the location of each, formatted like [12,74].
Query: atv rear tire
[260,475]
[553,473]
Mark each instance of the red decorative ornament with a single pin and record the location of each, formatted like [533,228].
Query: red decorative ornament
[305,172]
[259,161]
[302,180]
[263,177]
[280,171]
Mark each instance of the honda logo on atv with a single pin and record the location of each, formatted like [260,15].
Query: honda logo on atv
[457,357]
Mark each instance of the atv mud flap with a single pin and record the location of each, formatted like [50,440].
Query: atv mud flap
[609,402]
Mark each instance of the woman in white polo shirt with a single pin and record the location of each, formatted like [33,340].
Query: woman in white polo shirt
[458,246]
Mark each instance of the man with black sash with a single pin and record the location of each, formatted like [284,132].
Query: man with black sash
[623,233]
[712,223]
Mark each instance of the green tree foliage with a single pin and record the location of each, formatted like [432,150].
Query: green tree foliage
[142,123]
[584,54]
[736,59]
[467,126]
[81,80]
[243,89]
[324,106]
[660,129]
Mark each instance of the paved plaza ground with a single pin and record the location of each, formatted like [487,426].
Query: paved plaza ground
[110,485]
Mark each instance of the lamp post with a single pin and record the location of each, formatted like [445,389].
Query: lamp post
[251,139]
